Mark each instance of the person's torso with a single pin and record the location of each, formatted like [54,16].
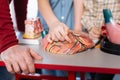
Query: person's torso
[94,8]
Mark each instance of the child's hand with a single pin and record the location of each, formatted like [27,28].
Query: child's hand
[94,33]
[58,31]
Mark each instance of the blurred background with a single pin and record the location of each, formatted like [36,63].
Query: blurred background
[32,9]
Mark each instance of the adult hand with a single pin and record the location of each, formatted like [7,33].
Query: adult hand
[94,33]
[58,31]
[20,59]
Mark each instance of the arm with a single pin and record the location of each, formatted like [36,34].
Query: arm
[78,12]
[90,19]
[21,12]
[47,13]
[17,58]
[57,30]
[6,26]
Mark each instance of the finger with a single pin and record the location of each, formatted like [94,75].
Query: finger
[29,61]
[35,55]
[67,39]
[66,29]
[96,32]
[59,36]
[9,67]
[64,34]
[23,65]
[16,67]
[54,38]
[49,38]
[7,62]
[93,36]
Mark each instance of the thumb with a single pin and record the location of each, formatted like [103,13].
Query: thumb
[35,55]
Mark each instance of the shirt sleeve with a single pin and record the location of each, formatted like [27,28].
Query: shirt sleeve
[21,11]
[7,33]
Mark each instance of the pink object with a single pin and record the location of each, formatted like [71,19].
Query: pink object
[33,27]
[113,31]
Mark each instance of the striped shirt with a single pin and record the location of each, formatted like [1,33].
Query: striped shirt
[93,15]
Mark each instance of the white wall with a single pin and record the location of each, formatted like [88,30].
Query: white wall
[32,9]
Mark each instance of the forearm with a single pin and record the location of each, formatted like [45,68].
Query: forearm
[7,34]
[47,13]
[78,12]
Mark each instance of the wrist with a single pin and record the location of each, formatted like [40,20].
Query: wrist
[78,27]
[53,23]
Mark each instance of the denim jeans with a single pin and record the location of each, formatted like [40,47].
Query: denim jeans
[5,75]
[54,72]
